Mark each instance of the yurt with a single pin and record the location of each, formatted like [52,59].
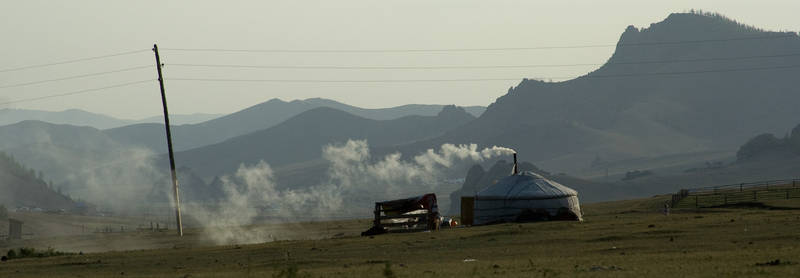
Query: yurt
[525,196]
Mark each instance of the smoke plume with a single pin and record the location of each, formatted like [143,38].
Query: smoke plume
[354,182]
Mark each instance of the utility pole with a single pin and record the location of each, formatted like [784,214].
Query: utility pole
[169,145]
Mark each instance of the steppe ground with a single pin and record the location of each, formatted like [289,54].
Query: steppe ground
[617,239]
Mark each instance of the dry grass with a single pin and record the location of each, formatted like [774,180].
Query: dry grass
[620,239]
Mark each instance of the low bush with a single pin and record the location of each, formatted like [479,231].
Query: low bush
[27,252]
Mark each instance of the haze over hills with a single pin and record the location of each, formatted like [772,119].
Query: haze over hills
[24,187]
[85,163]
[302,137]
[75,117]
[58,150]
[694,86]
[718,84]
[179,119]
[261,116]
[83,159]
[79,117]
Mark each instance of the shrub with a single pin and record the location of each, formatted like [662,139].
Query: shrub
[387,271]
[288,272]
[27,252]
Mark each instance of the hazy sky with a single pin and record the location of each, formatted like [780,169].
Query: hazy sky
[37,32]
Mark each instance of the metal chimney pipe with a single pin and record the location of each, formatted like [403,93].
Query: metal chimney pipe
[516,168]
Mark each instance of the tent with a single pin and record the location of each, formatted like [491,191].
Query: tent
[525,196]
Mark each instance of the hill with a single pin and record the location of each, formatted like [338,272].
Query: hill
[86,163]
[24,187]
[766,146]
[179,119]
[79,117]
[59,150]
[75,117]
[691,83]
[302,137]
[258,117]
[391,112]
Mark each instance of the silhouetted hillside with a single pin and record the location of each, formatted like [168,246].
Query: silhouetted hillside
[302,137]
[21,186]
[181,119]
[84,162]
[59,150]
[689,83]
[254,118]
[391,112]
[79,117]
[768,146]
[74,117]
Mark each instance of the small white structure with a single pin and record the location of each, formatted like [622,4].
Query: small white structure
[525,196]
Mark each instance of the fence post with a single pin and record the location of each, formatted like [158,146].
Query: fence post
[787,194]
[740,187]
[696,201]
[725,202]
[377,221]
[754,195]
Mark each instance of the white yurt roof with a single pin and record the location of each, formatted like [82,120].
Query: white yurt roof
[525,185]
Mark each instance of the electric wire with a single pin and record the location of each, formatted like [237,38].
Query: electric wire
[479,66]
[694,72]
[342,81]
[73,77]
[473,49]
[474,79]
[77,92]
[73,61]
[400,67]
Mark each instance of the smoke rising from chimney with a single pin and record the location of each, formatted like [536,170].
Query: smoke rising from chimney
[353,177]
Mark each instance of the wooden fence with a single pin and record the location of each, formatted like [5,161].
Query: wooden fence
[736,193]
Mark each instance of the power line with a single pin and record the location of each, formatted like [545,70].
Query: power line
[694,72]
[73,77]
[342,81]
[471,79]
[73,61]
[471,49]
[478,66]
[77,92]
[372,67]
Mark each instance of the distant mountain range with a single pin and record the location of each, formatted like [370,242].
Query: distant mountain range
[258,117]
[81,158]
[79,117]
[693,85]
[302,137]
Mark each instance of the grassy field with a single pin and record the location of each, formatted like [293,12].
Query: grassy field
[618,239]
